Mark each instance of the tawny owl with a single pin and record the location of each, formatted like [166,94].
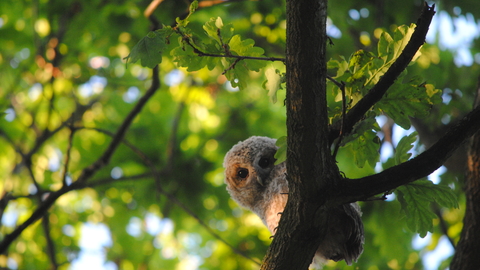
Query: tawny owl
[255,183]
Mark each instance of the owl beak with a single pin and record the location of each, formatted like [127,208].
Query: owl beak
[260,181]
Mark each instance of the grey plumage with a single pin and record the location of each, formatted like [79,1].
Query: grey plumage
[255,183]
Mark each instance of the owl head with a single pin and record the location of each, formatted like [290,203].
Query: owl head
[248,167]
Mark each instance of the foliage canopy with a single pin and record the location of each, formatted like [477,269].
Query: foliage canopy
[66,92]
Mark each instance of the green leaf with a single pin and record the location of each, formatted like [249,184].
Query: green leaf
[369,123]
[217,31]
[365,148]
[390,48]
[364,69]
[191,9]
[246,48]
[340,65]
[281,154]
[238,76]
[150,48]
[185,57]
[415,199]
[411,99]
[238,70]
[404,145]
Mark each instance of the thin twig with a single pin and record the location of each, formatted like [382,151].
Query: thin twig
[344,112]
[240,57]
[443,224]
[67,154]
[151,8]
[337,83]
[47,134]
[232,66]
[135,149]
[198,52]
[173,199]
[109,180]
[172,141]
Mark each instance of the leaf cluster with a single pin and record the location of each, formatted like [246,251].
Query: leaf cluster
[407,97]
[217,47]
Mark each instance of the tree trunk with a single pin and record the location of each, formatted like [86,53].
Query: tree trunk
[466,255]
[310,165]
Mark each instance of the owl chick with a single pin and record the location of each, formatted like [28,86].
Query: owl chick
[256,183]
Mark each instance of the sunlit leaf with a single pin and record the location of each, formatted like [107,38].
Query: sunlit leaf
[216,30]
[404,145]
[410,99]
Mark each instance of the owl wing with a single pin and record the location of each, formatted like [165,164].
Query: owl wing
[276,196]
[345,236]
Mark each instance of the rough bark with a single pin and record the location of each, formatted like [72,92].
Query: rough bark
[466,255]
[297,237]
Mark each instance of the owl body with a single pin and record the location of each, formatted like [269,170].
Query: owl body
[256,183]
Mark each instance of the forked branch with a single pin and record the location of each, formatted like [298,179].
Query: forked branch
[51,197]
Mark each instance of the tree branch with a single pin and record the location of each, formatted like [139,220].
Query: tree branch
[443,224]
[67,154]
[172,140]
[117,139]
[36,215]
[376,93]
[421,166]
[240,57]
[47,134]
[51,197]
[50,244]
[197,51]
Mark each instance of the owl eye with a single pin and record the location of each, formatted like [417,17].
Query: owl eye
[264,162]
[242,173]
